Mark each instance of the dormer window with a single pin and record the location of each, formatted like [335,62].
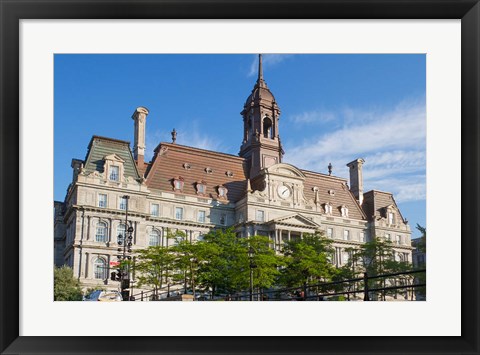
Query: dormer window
[178,183]
[390,215]
[391,218]
[222,192]
[113,167]
[344,211]
[201,187]
[114,173]
[328,208]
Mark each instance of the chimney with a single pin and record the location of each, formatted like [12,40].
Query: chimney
[356,179]
[77,165]
[140,118]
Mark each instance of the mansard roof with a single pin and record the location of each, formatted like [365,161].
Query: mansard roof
[101,147]
[374,203]
[193,165]
[333,190]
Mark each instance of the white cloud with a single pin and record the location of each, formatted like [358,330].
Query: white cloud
[190,136]
[315,116]
[268,60]
[392,144]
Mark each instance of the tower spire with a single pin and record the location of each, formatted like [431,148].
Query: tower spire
[260,69]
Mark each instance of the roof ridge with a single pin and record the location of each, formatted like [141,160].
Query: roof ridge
[186,147]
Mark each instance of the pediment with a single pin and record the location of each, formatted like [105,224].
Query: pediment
[285,170]
[113,157]
[296,220]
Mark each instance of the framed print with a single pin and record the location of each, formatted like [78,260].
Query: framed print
[68,67]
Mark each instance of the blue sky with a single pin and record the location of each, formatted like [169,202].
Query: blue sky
[334,108]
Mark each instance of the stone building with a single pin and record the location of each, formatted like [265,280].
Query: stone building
[195,190]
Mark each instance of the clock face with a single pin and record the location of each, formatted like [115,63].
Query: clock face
[284,191]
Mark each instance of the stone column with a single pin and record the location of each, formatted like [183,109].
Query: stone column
[87,260]
[110,231]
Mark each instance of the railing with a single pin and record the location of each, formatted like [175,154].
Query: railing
[361,288]
[161,293]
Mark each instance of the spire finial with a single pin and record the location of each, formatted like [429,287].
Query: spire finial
[330,169]
[174,136]
[260,68]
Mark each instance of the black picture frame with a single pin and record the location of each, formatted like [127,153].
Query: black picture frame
[14,10]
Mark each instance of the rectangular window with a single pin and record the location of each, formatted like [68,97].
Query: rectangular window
[114,173]
[154,209]
[399,239]
[390,218]
[102,200]
[223,219]
[201,216]
[362,236]
[346,235]
[387,237]
[330,232]
[123,203]
[179,213]
[260,216]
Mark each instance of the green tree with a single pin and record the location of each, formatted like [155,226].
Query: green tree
[352,269]
[421,278]
[66,287]
[224,260]
[153,266]
[307,260]
[185,260]
[378,257]
[264,261]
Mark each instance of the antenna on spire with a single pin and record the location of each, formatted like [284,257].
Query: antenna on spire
[260,68]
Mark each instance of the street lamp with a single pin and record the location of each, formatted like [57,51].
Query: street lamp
[126,242]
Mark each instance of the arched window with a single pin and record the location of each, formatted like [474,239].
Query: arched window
[101,233]
[344,211]
[100,269]
[267,128]
[154,239]
[121,233]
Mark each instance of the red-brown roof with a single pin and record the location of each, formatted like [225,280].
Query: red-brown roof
[341,195]
[170,161]
[375,201]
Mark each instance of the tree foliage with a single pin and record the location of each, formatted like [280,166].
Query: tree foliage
[66,287]
[307,260]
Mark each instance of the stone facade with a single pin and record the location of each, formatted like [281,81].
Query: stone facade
[195,191]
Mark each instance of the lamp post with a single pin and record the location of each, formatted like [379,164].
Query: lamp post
[125,243]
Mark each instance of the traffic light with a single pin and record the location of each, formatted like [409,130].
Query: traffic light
[116,275]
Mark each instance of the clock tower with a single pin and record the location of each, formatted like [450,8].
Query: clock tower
[261,145]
